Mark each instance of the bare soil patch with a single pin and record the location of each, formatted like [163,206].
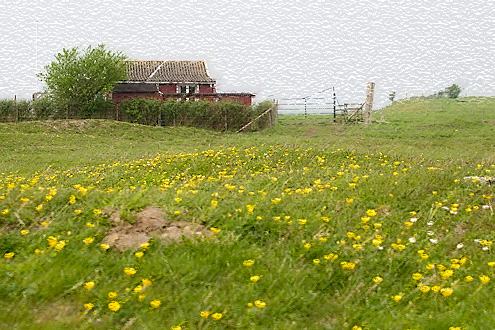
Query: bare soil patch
[150,223]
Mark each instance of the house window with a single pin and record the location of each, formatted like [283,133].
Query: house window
[187,89]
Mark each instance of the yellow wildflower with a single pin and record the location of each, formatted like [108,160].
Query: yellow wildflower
[138,289]
[89,285]
[204,314]
[260,304]
[130,271]
[255,278]
[424,288]
[371,213]
[60,245]
[155,303]
[88,240]
[447,273]
[9,255]
[377,279]
[114,306]
[357,246]
[446,292]
[417,276]
[217,316]
[484,279]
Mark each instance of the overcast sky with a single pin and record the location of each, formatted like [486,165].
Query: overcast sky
[281,48]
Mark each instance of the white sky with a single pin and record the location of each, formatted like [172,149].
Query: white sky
[281,48]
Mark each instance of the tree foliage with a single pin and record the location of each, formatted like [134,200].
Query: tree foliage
[79,81]
[391,96]
[451,92]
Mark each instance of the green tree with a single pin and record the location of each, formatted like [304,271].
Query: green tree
[453,91]
[79,81]
[391,96]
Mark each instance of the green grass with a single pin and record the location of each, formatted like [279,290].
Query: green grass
[288,198]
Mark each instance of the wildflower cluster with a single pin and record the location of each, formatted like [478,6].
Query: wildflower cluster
[329,225]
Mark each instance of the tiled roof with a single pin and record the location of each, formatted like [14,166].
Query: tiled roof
[168,71]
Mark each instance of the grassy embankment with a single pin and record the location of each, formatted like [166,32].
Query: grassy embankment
[346,226]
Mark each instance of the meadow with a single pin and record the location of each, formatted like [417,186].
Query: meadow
[307,225]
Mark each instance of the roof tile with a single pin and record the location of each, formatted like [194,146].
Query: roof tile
[168,71]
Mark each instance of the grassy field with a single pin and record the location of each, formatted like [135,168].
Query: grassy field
[308,225]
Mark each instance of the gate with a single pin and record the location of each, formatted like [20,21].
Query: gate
[320,104]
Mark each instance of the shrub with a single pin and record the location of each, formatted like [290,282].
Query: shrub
[172,112]
[45,108]
[142,110]
[15,110]
[6,110]
[100,108]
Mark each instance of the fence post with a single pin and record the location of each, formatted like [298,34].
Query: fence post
[369,103]
[16,109]
[334,106]
[305,109]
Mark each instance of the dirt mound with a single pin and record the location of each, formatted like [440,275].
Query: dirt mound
[150,223]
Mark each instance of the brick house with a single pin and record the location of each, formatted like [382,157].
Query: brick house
[172,79]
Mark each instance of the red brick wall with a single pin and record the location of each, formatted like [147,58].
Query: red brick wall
[203,88]
[119,97]
[168,88]
[241,99]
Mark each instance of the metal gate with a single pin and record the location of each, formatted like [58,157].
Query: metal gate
[319,103]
